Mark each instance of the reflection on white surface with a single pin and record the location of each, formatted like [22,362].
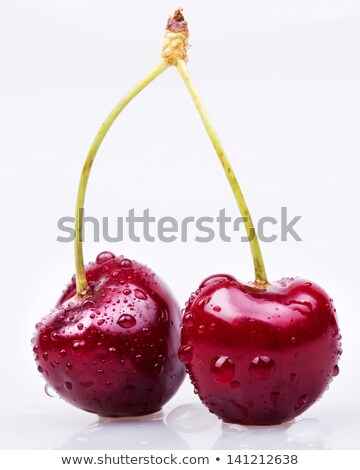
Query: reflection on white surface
[191,418]
[188,426]
[303,434]
[146,432]
[308,431]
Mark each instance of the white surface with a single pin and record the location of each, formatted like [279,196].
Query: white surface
[281,81]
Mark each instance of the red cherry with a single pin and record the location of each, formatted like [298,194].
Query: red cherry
[257,356]
[114,353]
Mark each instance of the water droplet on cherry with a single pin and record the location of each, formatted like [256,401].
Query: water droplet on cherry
[125,263]
[126,321]
[188,319]
[262,367]
[87,303]
[78,347]
[139,294]
[50,392]
[335,371]
[104,256]
[158,368]
[186,354]
[68,386]
[301,401]
[222,369]
[55,336]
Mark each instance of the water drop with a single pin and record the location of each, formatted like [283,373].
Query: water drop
[45,356]
[87,303]
[40,369]
[78,347]
[38,326]
[222,369]
[68,386]
[201,329]
[126,291]
[262,367]
[69,365]
[63,352]
[186,354]
[100,322]
[112,350]
[146,331]
[161,358]
[50,392]
[126,321]
[80,326]
[217,309]
[92,316]
[139,294]
[308,284]
[126,263]
[108,383]
[216,278]
[55,336]
[100,371]
[104,256]
[158,368]
[335,371]
[188,319]
[301,401]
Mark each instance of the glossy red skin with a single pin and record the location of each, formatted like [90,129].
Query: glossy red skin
[292,326]
[99,366]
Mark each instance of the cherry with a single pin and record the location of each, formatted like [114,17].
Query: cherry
[257,353]
[259,356]
[110,344]
[113,353]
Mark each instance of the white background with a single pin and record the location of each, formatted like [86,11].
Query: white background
[281,82]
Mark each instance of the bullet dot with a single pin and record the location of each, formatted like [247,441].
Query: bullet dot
[217,459]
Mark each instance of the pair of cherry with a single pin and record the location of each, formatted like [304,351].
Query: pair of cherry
[256,353]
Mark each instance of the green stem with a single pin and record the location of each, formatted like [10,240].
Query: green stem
[260,273]
[81,281]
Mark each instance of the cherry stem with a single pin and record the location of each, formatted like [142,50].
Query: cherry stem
[260,273]
[81,281]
